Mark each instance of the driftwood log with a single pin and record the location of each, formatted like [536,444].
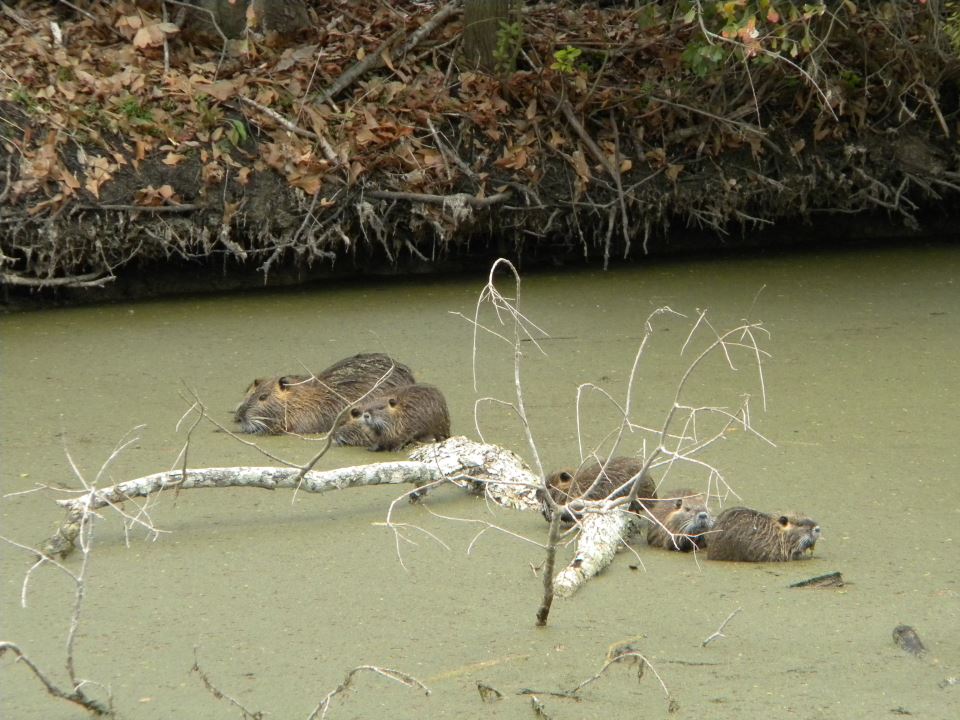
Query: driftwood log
[495,471]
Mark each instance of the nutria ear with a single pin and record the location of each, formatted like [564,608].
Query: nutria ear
[283,383]
[565,476]
[679,503]
[784,520]
[355,412]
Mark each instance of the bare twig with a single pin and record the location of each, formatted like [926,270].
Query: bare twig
[218,693]
[719,631]
[401,677]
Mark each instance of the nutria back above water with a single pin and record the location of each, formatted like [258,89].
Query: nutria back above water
[681,521]
[747,535]
[309,404]
[402,415]
[606,480]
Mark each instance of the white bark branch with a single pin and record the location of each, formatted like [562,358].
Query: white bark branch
[601,534]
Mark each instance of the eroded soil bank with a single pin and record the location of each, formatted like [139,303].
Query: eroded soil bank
[133,153]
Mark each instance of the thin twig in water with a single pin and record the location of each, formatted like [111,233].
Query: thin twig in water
[719,631]
[401,677]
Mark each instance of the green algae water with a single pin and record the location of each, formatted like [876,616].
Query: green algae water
[282,596]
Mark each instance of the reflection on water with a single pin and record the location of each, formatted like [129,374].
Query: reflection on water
[283,596]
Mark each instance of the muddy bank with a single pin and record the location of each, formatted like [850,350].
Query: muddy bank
[139,163]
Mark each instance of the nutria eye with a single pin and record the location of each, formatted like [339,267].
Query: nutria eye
[784,520]
[393,402]
[355,413]
[264,396]
[679,504]
[566,476]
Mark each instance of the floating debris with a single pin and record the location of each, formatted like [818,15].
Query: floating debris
[907,638]
[829,580]
[488,694]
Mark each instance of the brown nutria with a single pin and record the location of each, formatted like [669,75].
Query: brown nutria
[680,521]
[310,404]
[607,480]
[747,535]
[402,415]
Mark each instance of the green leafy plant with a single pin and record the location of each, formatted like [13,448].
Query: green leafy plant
[565,60]
[509,38]
[236,131]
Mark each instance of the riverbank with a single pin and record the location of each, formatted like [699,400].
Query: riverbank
[140,162]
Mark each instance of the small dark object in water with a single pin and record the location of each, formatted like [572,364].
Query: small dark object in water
[488,694]
[833,579]
[906,637]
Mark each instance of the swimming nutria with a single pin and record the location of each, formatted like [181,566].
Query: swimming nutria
[566,485]
[305,404]
[404,414]
[685,516]
[752,536]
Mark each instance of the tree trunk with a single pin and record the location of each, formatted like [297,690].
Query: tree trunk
[482,21]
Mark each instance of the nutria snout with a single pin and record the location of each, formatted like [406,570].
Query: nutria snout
[403,415]
[680,522]
[310,404]
[748,535]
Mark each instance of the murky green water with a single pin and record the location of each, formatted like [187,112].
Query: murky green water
[283,597]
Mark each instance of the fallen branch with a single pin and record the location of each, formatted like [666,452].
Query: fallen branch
[457,199]
[94,279]
[501,474]
[601,534]
[384,54]
[267,478]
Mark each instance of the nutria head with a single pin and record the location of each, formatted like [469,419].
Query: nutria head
[351,431]
[408,413]
[596,481]
[680,522]
[290,403]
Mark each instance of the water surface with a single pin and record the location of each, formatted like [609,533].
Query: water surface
[283,596]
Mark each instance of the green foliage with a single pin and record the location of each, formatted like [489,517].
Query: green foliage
[565,60]
[509,39]
[951,25]
[134,110]
[701,57]
[24,99]
[749,29]
[236,131]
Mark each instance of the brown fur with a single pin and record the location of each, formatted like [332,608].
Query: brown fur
[406,414]
[566,485]
[751,536]
[685,516]
[305,404]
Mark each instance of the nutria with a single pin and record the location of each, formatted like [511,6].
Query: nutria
[404,414]
[751,536]
[566,485]
[309,404]
[680,521]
